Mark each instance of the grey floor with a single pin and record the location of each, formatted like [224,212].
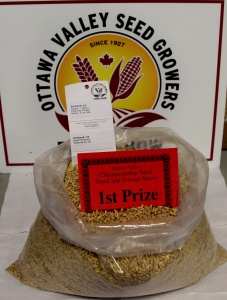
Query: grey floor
[4,178]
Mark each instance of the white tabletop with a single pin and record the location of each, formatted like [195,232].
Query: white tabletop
[20,209]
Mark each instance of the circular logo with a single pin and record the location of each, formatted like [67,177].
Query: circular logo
[99,91]
[131,70]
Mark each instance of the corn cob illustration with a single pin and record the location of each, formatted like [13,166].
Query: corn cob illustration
[122,84]
[84,70]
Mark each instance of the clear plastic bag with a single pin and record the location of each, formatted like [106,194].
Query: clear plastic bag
[64,254]
[49,263]
[148,236]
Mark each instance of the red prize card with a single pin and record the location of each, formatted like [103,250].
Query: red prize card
[123,179]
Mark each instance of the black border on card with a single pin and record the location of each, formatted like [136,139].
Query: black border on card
[103,1]
[116,159]
[221,2]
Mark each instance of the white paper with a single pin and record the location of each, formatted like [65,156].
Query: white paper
[90,117]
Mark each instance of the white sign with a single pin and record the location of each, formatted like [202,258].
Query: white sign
[165,64]
[90,118]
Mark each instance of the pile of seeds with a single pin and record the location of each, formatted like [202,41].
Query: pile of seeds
[142,212]
[49,263]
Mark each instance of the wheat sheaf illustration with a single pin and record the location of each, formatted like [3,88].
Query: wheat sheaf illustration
[84,70]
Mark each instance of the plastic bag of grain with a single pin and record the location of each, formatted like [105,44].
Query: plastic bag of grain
[57,187]
[102,254]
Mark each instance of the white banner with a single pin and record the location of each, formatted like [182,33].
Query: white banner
[163,61]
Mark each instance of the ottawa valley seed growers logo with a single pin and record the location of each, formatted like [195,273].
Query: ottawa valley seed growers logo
[130,68]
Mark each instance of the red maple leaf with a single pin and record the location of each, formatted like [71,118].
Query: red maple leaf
[106,60]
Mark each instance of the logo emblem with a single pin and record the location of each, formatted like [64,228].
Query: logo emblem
[99,91]
[129,67]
